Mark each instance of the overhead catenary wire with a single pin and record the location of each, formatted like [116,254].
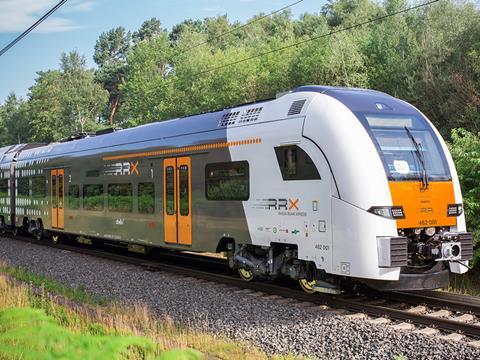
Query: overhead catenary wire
[31,28]
[241,26]
[313,38]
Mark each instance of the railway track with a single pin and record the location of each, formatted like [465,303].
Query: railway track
[432,310]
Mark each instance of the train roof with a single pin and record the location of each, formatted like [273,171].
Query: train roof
[354,99]
[361,100]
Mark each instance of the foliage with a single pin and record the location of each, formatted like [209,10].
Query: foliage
[31,334]
[110,55]
[429,57]
[149,30]
[14,121]
[465,150]
[65,101]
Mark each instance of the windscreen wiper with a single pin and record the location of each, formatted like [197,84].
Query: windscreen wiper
[421,158]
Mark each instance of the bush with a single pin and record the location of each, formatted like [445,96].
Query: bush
[465,150]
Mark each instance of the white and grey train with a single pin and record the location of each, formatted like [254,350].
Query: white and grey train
[325,185]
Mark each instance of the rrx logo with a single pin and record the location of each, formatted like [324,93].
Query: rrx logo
[282,204]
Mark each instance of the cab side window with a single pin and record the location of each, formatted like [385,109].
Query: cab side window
[295,164]
[227,181]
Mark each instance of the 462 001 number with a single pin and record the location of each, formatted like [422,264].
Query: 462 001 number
[427,223]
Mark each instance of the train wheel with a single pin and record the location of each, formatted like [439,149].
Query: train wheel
[307,286]
[56,239]
[245,274]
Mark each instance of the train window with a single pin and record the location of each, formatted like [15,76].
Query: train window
[227,181]
[170,190]
[184,191]
[39,189]
[74,197]
[93,197]
[23,186]
[54,191]
[120,197]
[4,188]
[60,191]
[146,198]
[295,164]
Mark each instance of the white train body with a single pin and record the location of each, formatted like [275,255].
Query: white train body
[328,218]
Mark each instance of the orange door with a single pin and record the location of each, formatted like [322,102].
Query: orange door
[54,197]
[177,201]
[61,195]
[184,201]
[57,198]
[170,203]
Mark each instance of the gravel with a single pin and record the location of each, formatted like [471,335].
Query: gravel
[271,326]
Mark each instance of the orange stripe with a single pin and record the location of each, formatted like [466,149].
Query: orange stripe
[186,149]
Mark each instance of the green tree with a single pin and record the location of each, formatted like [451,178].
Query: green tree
[149,30]
[111,50]
[446,89]
[14,121]
[186,26]
[147,89]
[83,99]
[393,52]
[45,105]
[66,101]
[465,150]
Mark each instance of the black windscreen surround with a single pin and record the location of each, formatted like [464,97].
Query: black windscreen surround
[296,164]
[227,181]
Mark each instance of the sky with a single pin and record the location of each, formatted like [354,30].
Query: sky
[77,25]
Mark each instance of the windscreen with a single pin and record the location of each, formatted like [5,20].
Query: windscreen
[404,143]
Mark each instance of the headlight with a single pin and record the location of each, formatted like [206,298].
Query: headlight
[454,209]
[389,212]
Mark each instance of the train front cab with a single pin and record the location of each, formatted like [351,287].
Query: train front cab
[427,212]
[398,220]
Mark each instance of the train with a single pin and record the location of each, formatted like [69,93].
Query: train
[327,186]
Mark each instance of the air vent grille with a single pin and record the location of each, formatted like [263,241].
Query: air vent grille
[465,240]
[398,252]
[228,119]
[250,115]
[296,107]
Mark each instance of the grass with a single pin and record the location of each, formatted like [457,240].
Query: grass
[76,294]
[131,332]
[468,284]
